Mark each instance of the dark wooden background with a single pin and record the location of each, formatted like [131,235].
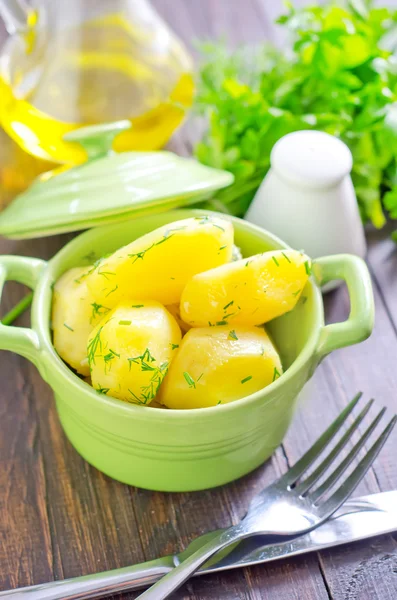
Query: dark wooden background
[60,518]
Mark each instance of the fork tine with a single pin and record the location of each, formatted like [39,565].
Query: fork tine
[311,455]
[307,483]
[335,475]
[348,486]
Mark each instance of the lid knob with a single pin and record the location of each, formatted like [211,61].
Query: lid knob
[97,140]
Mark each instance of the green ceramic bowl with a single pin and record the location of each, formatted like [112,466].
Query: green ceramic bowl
[194,449]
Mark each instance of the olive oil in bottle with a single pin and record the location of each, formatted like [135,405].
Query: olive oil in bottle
[93,65]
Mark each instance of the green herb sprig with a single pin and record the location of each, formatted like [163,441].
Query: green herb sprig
[146,362]
[337,75]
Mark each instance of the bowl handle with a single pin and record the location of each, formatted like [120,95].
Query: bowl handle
[24,270]
[359,325]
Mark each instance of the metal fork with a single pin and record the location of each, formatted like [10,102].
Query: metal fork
[288,508]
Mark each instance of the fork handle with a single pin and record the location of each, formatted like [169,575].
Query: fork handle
[175,578]
[98,585]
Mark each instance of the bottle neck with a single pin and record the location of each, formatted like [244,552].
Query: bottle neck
[15,14]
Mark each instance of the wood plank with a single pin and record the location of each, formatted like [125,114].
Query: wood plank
[335,382]
[25,531]
[59,517]
[26,544]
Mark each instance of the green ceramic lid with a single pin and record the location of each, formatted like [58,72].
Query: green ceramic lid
[109,187]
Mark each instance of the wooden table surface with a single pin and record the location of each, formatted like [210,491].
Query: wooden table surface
[61,518]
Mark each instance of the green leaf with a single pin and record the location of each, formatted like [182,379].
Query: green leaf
[390,202]
[336,75]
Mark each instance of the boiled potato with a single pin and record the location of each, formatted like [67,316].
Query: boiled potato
[74,315]
[216,365]
[248,292]
[158,265]
[130,350]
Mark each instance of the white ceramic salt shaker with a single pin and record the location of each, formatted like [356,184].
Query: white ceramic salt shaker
[307,198]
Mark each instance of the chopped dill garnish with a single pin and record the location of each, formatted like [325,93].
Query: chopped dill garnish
[94,345]
[111,291]
[228,315]
[198,379]
[98,310]
[173,278]
[147,356]
[102,390]
[255,310]
[308,268]
[247,263]
[91,269]
[232,335]
[167,236]
[286,257]
[109,357]
[227,305]
[297,292]
[189,379]
[68,327]
[303,299]
[132,360]
[276,261]
[140,255]
[219,323]
[222,248]
[138,400]
[145,366]
[276,374]
[124,322]
[148,392]
[137,306]
[84,275]
[218,226]
[107,274]
[174,346]
[144,360]
[220,402]
[246,379]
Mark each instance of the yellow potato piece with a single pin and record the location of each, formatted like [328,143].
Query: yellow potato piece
[248,292]
[217,365]
[74,315]
[158,265]
[130,350]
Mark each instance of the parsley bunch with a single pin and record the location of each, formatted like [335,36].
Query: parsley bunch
[338,73]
